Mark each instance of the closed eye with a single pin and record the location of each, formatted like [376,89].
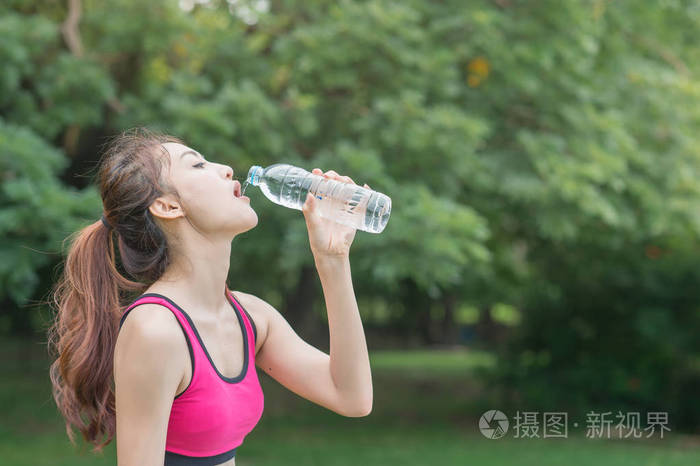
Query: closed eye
[200,164]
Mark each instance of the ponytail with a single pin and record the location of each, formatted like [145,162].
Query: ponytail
[84,333]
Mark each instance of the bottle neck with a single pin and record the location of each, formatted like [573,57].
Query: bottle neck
[254,175]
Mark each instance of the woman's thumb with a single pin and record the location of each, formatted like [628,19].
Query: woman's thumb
[308,206]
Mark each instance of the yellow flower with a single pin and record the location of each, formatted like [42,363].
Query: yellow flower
[478,69]
[479,66]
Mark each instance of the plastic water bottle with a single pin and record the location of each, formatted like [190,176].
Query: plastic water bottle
[346,203]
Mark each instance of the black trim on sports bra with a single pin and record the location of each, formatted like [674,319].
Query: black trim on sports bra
[176,459]
[244,331]
[184,332]
[250,319]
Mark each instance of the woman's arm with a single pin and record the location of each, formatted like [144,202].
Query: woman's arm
[349,358]
[308,371]
[342,381]
[147,373]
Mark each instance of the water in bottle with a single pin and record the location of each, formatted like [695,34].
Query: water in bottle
[346,203]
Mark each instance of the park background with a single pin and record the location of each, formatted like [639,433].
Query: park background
[543,162]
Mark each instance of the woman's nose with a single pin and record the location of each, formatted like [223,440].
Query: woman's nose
[229,171]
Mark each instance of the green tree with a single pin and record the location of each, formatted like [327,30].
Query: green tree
[538,154]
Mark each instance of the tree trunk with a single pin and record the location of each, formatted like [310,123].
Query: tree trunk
[486,328]
[450,330]
[298,304]
[417,305]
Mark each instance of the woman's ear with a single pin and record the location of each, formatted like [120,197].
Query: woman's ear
[166,207]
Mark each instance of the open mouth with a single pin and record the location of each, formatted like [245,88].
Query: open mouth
[237,188]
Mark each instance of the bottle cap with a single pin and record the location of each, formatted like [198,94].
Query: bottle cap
[254,174]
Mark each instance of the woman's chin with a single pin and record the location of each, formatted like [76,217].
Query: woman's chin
[245,223]
[253,220]
[254,224]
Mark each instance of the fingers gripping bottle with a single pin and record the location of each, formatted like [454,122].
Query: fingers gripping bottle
[346,203]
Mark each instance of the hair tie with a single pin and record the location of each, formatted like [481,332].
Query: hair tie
[105,223]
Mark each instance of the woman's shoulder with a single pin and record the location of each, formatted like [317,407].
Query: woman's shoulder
[148,368]
[150,330]
[150,322]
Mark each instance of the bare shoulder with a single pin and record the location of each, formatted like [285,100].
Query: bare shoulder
[259,311]
[150,328]
[152,318]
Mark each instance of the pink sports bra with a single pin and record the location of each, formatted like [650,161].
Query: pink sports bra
[209,420]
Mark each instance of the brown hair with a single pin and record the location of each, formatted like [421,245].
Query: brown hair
[87,296]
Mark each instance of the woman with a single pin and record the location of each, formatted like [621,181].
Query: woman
[183,354]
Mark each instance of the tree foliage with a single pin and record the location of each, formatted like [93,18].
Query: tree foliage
[541,154]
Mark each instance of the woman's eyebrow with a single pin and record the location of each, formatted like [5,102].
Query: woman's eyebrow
[191,152]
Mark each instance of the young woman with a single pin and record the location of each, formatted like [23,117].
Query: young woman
[183,353]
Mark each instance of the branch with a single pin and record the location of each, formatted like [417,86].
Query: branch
[71,34]
[69,28]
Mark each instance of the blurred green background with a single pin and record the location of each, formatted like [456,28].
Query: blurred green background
[543,162]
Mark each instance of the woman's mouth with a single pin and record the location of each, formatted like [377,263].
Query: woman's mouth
[237,191]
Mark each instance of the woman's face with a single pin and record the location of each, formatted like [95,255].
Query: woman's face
[208,192]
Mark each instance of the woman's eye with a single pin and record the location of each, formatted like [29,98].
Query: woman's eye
[200,164]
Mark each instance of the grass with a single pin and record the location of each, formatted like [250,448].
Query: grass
[426,407]
[437,363]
